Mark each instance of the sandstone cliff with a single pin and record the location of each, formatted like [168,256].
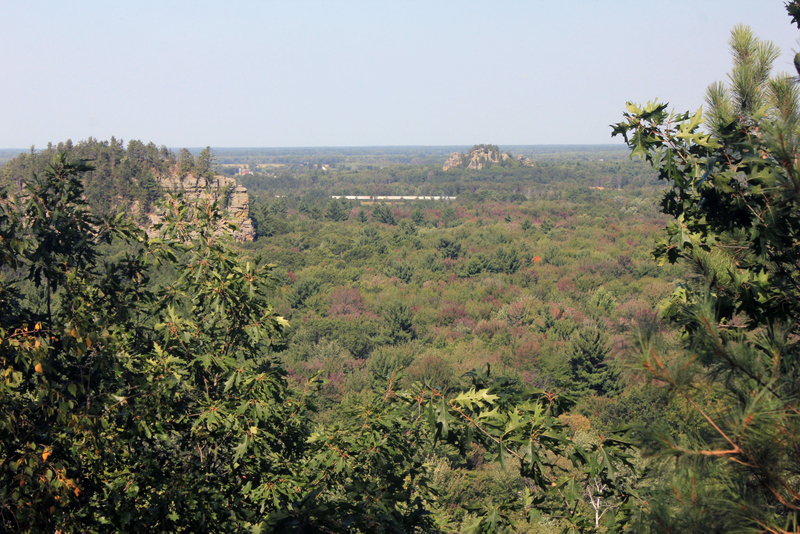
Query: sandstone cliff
[231,196]
[480,156]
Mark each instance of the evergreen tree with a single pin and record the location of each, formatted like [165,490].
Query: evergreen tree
[449,248]
[399,319]
[278,207]
[303,291]
[262,217]
[205,163]
[336,211]
[734,196]
[383,214]
[591,373]
[186,163]
[418,217]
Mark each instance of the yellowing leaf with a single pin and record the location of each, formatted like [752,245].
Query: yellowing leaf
[46,454]
[39,368]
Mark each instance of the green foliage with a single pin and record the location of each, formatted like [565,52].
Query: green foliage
[387,359]
[358,293]
[507,261]
[418,217]
[522,426]
[400,322]
[402,270]
[351,459]
[120,179]
[356,336]
[61,227]
[449,217]
[159,407]
[603,300]
[591,373]
[130,401]
[278,207]
[370,237]
[303,291]
[734,198]
[503,261]
[449,248]
[793,7]
[205,163]
[336,211]
[185,162]
[383,214]
[262,217]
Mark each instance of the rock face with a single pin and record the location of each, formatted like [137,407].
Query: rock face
[455,161]
[480,156]
[231,196]
[524,161]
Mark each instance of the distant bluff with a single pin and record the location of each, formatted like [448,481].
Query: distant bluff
[480,156]
[133,178]
[230,196]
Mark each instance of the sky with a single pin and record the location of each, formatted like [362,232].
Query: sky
[305,73]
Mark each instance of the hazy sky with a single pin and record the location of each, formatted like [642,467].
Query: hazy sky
[354,73]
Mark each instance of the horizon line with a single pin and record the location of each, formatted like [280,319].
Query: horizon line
[561,145]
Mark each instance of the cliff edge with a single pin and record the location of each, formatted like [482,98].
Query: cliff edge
[232,198]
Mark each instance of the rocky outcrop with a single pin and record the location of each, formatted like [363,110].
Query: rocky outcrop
[524,161]
[455,161]
[222,189]
[480,156]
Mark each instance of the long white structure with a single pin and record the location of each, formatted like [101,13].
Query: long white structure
[392,198]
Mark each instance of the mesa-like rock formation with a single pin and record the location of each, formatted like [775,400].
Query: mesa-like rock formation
[231,197]
[480,156]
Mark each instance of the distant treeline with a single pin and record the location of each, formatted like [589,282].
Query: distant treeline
[126,176]
[496,182]
[404,155]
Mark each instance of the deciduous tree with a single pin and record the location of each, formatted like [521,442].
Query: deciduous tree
[733,190]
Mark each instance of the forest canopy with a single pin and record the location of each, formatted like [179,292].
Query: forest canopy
[511,360]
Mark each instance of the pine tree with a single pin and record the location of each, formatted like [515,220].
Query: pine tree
[336,211]
[591,374]
[734,195]
[383,214]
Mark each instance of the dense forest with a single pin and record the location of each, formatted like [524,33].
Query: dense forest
[579,342]
[527,295]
